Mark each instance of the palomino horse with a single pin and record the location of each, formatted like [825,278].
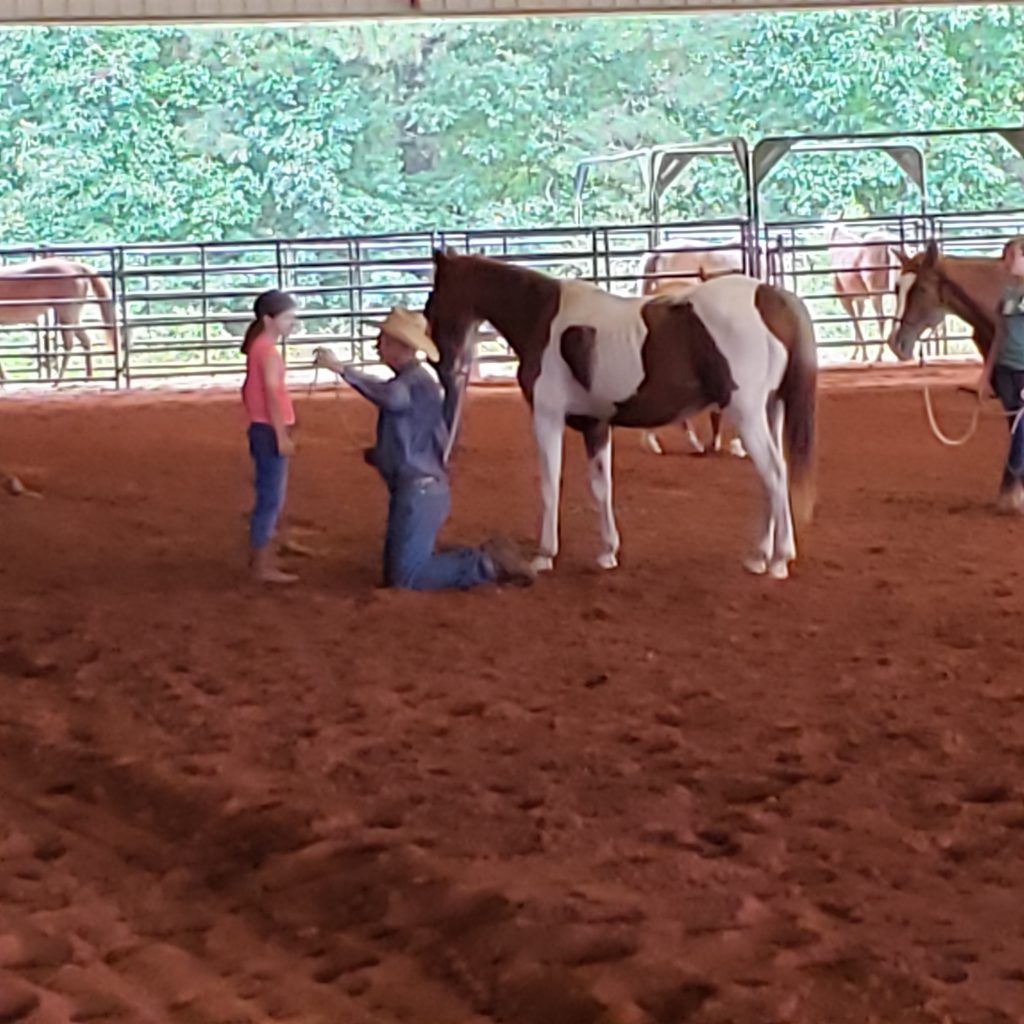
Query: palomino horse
[862,273]
[677,267]
[590,360]
[29,290]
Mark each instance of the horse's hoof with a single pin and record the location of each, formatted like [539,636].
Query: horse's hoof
[779,570]
[542,563]
[736,448]
[757,565]
[607,561]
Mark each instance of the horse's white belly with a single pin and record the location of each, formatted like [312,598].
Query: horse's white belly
[617,372]
[21,314]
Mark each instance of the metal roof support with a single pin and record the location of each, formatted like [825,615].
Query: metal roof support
[661,166]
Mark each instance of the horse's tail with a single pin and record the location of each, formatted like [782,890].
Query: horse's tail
[101,291]
[799,393]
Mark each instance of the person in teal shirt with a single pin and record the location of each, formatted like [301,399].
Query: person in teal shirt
[1004,374]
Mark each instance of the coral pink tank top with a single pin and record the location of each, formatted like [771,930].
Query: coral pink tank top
[262,354]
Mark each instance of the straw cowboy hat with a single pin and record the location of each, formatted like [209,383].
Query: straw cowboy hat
[410,329]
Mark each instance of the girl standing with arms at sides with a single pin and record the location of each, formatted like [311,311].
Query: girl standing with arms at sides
[271,419]
[1004,373]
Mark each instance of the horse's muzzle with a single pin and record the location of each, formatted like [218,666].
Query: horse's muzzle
[902,346]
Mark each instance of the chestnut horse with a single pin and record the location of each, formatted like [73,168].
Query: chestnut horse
[677,267]
[591,361]
[28,291]
[930,286]
[862,273]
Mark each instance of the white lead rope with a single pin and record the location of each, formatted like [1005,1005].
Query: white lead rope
[956,442]
[940,435]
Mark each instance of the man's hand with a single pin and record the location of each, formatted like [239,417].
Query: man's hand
[984,386]
[324,359]
[285,445]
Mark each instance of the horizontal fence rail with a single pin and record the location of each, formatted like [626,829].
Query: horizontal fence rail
[177,311]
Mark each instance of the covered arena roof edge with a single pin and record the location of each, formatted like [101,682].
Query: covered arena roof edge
[70,12]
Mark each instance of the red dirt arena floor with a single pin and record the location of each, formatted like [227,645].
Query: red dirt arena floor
[675,793]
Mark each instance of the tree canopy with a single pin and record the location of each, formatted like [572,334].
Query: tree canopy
[143,134]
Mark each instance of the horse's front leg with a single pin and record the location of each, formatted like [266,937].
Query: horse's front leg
[548,429]
[598,439]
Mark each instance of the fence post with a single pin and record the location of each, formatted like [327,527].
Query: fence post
[282,286]
[125,365]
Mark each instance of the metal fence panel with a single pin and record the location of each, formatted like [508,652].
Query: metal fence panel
[182,308]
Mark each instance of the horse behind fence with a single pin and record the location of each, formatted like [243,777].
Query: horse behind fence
[32,290]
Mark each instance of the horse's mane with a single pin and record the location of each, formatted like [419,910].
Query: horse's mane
[488,264]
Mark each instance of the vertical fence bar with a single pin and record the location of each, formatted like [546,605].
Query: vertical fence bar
[355,321]
[115,292]
[126,319]
[205,304]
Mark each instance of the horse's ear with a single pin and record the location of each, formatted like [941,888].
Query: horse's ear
[931,254]
[439,257]
[901,257]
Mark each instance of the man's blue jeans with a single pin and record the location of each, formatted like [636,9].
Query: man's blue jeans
[1007,384]
[416,513]
[271,481]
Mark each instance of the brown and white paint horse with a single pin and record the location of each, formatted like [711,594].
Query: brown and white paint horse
[590,360]
[930,286]
[862,273]
[677,267]
[28,291]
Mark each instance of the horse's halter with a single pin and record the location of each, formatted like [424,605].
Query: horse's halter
[946,286]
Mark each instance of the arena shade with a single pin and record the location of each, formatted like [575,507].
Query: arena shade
[139,11]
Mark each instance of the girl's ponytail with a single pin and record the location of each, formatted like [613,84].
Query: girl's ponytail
[252,332]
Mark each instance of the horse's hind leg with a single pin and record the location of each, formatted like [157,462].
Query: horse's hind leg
[853,306]
[716,431]
[777,546]
[878,301]
[68,322]
[785,535]
[68,337]
[598,439]
[735,445]
[86,343]
[691,436]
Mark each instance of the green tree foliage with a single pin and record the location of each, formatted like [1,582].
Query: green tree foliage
[127,134]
